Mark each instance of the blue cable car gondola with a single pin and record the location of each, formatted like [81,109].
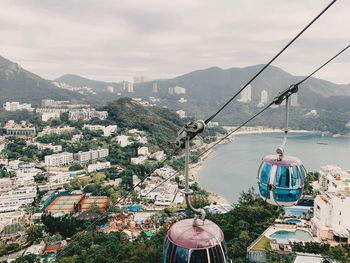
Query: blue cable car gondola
[281,178]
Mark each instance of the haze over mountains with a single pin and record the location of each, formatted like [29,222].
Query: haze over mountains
[206,89]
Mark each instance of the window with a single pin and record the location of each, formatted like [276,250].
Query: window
[282,177]
[199,256]
[181,255]
[216,254]
[265,173]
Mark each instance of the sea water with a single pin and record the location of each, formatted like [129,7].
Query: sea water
[232,167]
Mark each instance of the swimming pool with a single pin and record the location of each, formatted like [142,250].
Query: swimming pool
[297,235]
[293,220]
[297,212]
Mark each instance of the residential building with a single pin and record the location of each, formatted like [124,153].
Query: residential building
[59,159]
[46,116]
[16,198]
[332,178]
[138,160]
[179,90]
[263,98]
[171,90]
[15,106]
[107,130]
[182,100]
[53,103]
[56,130]
[110,89]
[98,166]
[143,151]
[181,114]
[54,148]
[123,140]
[159,156]
[83,157]
[331,219]
[22,129]
[155,87]
[87,114]
[246,95]
[5,184]
[294,100]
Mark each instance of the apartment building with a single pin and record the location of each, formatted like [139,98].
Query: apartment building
[331,219]
[59,159]
[16,198]
[98,166]
[84,157]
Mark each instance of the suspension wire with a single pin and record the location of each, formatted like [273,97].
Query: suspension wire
[220,140]
[216,143]
[270,62]
[323,65]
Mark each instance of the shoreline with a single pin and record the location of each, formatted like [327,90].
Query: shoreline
[196,167]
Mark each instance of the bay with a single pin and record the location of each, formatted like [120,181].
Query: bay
[232,167]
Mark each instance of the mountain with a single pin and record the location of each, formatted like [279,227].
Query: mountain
[161,124]
[18,84]
[78,81]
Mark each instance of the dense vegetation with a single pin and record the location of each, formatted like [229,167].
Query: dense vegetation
[241,226]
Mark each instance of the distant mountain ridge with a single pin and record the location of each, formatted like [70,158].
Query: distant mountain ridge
[18,84]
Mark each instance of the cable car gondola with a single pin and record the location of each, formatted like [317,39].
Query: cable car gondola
[281,178]
[195,240]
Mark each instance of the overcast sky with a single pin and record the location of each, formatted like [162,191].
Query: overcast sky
[116,40]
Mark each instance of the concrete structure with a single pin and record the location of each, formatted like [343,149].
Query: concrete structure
[246,95]
[123,140]
[107,130]
[179,90]
[155,87]
[53,103]
[54,148]
[46,116]
[143,151]
[15,106]
[110,89]
[83,157]
[98,166]
[171,90]
[331,219]
[263,98]
[182,100]
[332,178]
[294,100]
[159,156]
[59,159]
[138,160]
[5,184]
[128,86]
[87,114]
[22,129]
[181,114]
[16,198]
[56,130]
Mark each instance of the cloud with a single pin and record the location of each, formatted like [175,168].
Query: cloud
[115,40]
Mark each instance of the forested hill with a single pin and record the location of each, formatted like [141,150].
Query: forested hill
[161,124]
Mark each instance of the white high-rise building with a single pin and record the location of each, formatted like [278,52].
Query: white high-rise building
[294,100]
[130,87]
[155,87]
[331,219]
[110,89]
[246,95]
[263,97]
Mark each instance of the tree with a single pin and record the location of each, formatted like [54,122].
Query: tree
[34,233]
[75,167]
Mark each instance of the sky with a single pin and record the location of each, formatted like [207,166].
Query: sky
[115,40]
